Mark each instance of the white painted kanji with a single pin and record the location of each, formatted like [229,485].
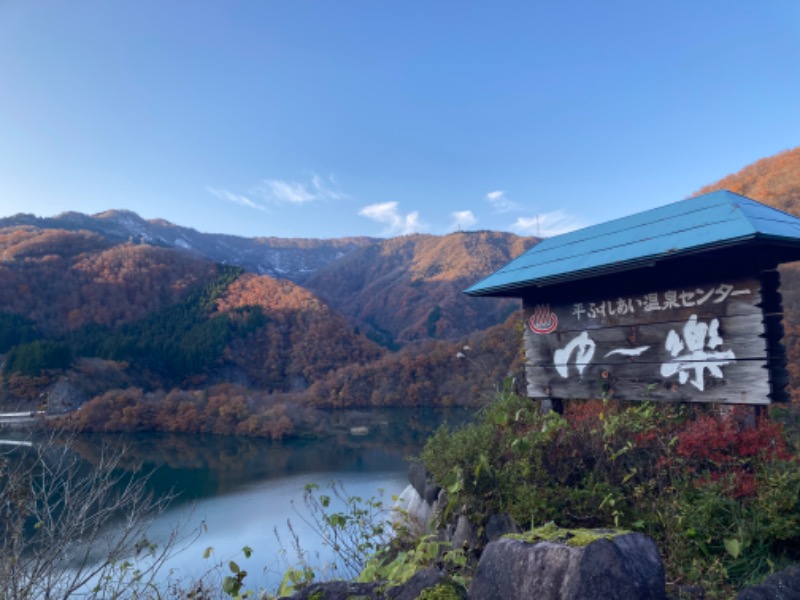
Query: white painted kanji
[694,352]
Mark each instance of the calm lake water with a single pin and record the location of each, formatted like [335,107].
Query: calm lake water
[245,489]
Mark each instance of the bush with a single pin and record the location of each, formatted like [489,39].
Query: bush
[70,529]
[722,501]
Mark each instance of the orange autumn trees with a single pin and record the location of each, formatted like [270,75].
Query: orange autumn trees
[224,409]
[775,180]
[302,340]
[63,280]
[409,289]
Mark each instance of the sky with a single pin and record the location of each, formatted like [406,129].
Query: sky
[300,118]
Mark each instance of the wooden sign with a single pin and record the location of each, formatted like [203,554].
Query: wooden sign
[699,343]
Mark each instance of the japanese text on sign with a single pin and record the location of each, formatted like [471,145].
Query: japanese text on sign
[655,301]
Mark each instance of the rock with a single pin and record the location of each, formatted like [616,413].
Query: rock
[439,507]
[783,585]
[626,567]
[499,525]
[431,492]
[418,477]
[63,397]
[418,513]
[464,537]
[339,590]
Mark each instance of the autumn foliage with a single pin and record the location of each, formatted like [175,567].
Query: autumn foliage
[775,181]
[387,324]
[226,409]
[715,490]
[301,341]
[63,280]
[410,288]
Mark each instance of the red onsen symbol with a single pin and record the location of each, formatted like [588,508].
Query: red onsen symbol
[543,321]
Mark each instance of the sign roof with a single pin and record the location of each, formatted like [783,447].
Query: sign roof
[711,221]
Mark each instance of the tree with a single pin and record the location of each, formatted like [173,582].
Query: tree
[66,527]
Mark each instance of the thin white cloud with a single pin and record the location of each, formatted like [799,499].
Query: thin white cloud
[396,223]
[500,202]
[547,224]
[278,191]
[283,192]
[328,190]
[229,196]
[462,219]
[494,196]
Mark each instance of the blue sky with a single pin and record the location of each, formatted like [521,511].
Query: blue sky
[336,118]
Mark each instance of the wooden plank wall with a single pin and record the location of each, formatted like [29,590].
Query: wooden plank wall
[700,343]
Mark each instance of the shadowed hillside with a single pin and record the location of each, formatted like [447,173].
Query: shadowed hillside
[409,288]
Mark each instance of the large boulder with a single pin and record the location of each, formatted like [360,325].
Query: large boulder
[609,566]
[784,585]
[419,477]
[412,510]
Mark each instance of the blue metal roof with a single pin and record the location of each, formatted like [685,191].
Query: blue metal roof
[706,222]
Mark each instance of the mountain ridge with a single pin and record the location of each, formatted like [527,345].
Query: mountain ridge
[269,346]
[397,290]
[289,258]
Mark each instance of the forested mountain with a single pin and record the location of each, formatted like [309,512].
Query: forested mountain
[409,288]
[775,180]
[288,258]
[115,314]
[301,341]
[129,314]
[396,291]
[62,280]
[133,332]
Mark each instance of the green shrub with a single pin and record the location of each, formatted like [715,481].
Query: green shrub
[721,501]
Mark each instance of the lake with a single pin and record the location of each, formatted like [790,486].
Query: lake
[245,489]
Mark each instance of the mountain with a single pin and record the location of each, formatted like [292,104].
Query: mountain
[396,291]
[114,320]
[775,180]
[132,319]
[73,305]
[434,372]
[62,280]
[289,258]
[144,337]
[407,289]
[301,341]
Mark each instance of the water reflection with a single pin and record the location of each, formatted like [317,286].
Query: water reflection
[244,488]
[204,465]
